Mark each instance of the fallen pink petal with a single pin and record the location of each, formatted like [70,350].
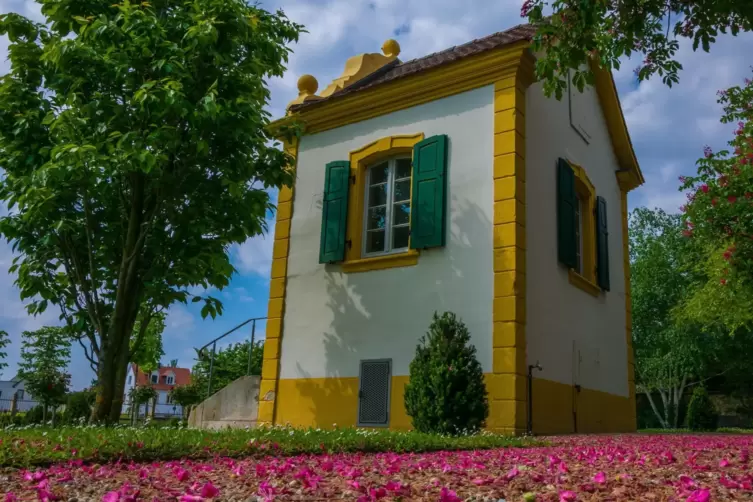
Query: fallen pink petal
[678,467]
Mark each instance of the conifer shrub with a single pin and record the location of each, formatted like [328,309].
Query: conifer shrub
[446,393]
[702,414]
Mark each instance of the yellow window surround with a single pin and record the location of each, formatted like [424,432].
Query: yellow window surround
[359,161]
[586,192]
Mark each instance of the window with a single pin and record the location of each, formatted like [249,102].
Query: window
[168,399]
[385,204]
[155,377]
[130,379]
[579,229]
[19,394]
[170,379]
[387,215]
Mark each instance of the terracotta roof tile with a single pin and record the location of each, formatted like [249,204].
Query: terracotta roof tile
[182,377]
[400,70]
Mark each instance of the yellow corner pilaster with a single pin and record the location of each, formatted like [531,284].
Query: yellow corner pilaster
[270,370]
[507,383]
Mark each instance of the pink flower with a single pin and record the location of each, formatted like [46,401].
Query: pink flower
[723,463]
[181,474]
[513,473]
[111,497]
[190,498]
[567,496]
[209,490]
[46,495]
[687,481]
[11,497]
[705,188]
[600,478]
[447,495]
[267,491]
[699,496]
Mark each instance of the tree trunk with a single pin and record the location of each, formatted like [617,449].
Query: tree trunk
[116,342]
[105,385]
[656,411]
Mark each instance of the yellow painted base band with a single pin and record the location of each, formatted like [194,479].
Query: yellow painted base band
[329,402]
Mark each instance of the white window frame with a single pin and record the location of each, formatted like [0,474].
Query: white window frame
[391,166]
[170,379]
[153,377]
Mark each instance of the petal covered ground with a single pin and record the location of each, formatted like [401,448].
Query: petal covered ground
[694,468]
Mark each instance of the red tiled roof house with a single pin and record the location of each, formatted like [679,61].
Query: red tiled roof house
[163,380]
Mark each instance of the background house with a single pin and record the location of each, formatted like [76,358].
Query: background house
[15,386]
[163,380]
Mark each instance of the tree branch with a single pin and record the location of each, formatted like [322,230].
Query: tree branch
[143,329]
[656,411]
[88,226]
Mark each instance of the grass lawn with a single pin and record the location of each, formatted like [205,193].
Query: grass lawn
[33,446]
[691,468]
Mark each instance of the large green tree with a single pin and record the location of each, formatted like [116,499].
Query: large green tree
[574,32]
[134,143]
[672,353]
[45,354]
[230,363]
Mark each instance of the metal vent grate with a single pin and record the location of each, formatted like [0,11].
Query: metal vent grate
[374,393]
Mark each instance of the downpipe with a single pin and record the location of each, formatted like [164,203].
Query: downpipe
[529,424]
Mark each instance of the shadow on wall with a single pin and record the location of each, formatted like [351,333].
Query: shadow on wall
[445,279]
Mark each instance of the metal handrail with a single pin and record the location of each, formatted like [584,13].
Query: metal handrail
[213,343]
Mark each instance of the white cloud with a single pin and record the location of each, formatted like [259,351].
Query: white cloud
[255,255]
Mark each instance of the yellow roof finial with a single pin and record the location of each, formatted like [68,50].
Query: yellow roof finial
[391,48]
[307,87]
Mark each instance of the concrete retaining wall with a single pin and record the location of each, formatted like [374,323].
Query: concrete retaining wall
[234,406]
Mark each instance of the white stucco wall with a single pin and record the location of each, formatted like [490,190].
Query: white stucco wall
[334,320]
[577,339]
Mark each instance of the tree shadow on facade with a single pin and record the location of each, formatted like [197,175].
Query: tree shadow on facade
[382,314]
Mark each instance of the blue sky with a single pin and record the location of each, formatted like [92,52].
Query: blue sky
[669,128]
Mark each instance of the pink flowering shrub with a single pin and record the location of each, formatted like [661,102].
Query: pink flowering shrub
[719,212]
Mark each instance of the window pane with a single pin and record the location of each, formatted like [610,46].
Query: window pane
[378,195]
[378,174]
[376,218]
[402,190]
[400,237]
[402,168]
[375,241]
[401,213]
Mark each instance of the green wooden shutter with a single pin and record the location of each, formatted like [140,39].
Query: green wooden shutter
[566,201]
[602,244]
[429,193]
[334,212]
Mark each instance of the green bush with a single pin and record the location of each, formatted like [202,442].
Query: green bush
[702,415]
[78,407]
[446,393]
[6,419]
[34,415]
